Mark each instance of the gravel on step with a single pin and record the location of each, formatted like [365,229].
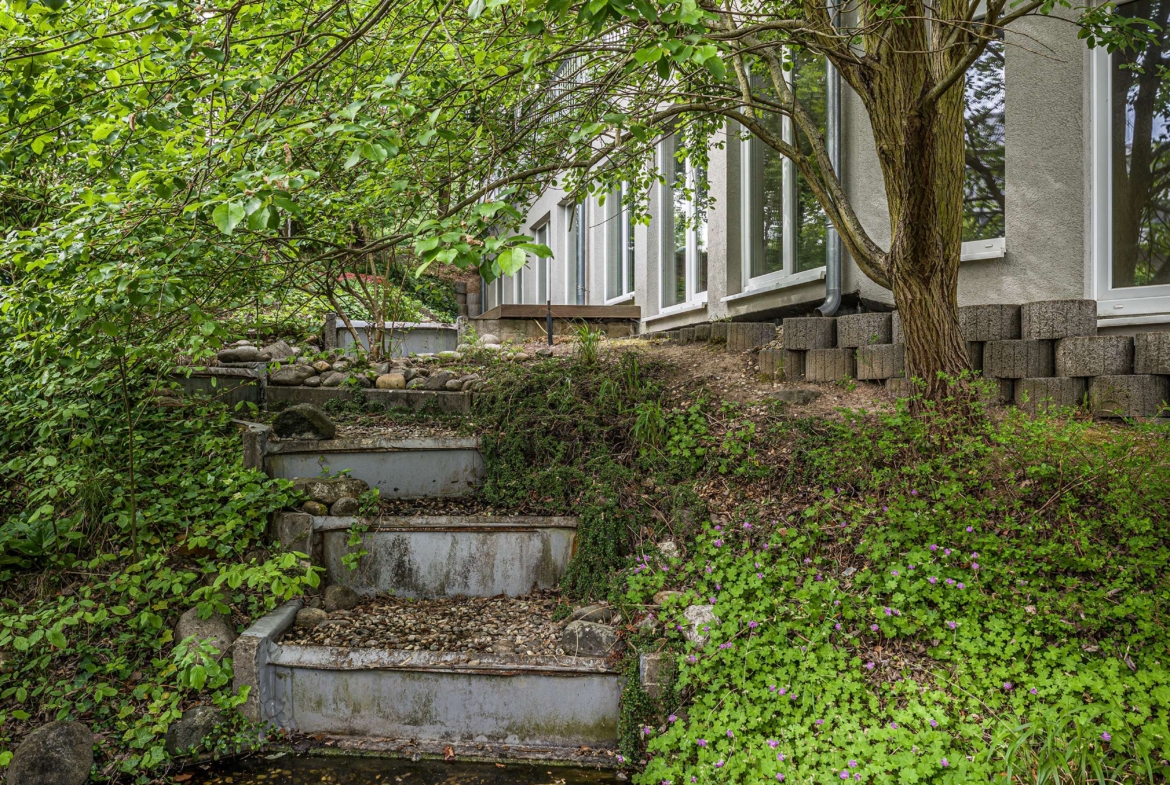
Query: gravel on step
[500,625]
[455,505]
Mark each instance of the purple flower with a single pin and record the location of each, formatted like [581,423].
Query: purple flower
[759,576]
[934,547]
[946,551]
[747,525]
[960,585]
[730,735]
[807,561]
[773,743]
[932,580]
[970,528]
[1106,737]
[894,725]
[672,718]
[819,578]
[780,757]
[692,659]
[933,723]
[718,528]
[701,742]
[911,567]
[885,508]
[944,763]
[719,543]
[1033,690]
[857,776]
[708,569]
[792,696]
[888,611]
[783,691]
[949,581]
[646,730]
[620,759]
[914,493]
[874,627]
[719,763]
[844,774]
[869,665]
[975,554]
[779,778]
[712,599]
[952,624]
[752,624]
[853,764]
[719,587]
[837,626]
[974,565]
[894,573]
[819,722]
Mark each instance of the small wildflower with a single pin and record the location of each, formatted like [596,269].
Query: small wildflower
[853,764]
[780,757]
[894,573]
[970,529]
[773,743]
[719,543]
[946,551]
[752,624]
[819,722]
[718,528]
[932,580]
[1106,737]
[857,776]
[808,561]
[885,508]
[747,526]
[869,665]
[874,627]
[620,759]
[949,581]
[960,585]
[934,547]
[1007,686]
[672,718]
[792,696]
[701,742]
[944,763]
[711,599]
[837,626]
[759,576]
[708,569]
[933,723]
[1033,691]
[783,691]
[772,687]
[692,659]
[974,565]
[911,567]
[646,731]
[952,624]
[730,735]
[894,725]
[779,778]
[888,611]
[914,493]
[844,774]
[975,554]
[719,763]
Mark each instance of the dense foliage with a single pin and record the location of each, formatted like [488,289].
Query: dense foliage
[939,608]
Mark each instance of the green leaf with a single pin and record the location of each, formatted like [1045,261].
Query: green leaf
[227,216]
[198,676]
[716,67]
[512,260]
[57,638]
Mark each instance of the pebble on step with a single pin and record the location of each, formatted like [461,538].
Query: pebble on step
[588,639]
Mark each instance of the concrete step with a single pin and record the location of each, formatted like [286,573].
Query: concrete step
[538,701]
[447,556]
[398,468]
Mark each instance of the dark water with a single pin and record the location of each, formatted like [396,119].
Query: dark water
[311,770]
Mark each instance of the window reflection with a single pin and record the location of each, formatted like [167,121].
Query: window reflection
[983,120]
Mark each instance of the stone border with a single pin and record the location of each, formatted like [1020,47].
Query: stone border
[445,401]
[252,654]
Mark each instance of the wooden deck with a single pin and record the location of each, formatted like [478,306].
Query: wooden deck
[589,312]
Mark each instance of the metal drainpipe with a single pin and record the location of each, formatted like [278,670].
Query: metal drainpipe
[580,253]
[833,240]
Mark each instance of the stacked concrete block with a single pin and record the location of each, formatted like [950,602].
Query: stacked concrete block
[810,332]
[975,354]
[1051,319]
[1041,395]
[896,334]
[881,361]
[1143,395]
[719,332]
[1017,359]
[674,335]
[864,329]
[772,363]
[829,365]
[703,332]
[686,335]
[745,336]
[793,366]
[982,323]
[1151,353]
[1094,355]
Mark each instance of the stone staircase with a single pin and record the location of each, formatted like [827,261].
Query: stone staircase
[476,703]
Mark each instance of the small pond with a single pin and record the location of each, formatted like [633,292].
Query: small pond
[315,770]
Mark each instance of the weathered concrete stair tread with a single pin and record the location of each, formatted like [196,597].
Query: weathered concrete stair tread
[602,757]
[297,655]
[450,523]
[373,444]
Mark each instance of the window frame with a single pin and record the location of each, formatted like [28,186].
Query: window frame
[666,248]
[618,221]
[543,265]
[1121,301]
[992,247]
[788,275]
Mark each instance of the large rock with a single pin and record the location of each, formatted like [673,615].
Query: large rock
[320,366]
[60,753]
[438,380]
[391,381]
[216,630]
[278,351]
[188,732]
[345,506]
[601,614]
[487,338]
[588,639]
[240,354]
[700,618]
[329,489]
[340,598]
[291,375]
[308,618]
[303,421]
[332,379]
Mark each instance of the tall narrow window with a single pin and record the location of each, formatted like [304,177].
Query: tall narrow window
[570,255]
[619,243]
[784,228]
[983,121]
[684,246]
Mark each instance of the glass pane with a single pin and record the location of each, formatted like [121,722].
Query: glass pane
[983,217]
[810,83]
[571,255]
[614,278]
[766,197]
[674,258]
[542,267]
[700,232]
[1140,130]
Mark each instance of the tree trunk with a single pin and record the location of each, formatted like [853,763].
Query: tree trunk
[920,146]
